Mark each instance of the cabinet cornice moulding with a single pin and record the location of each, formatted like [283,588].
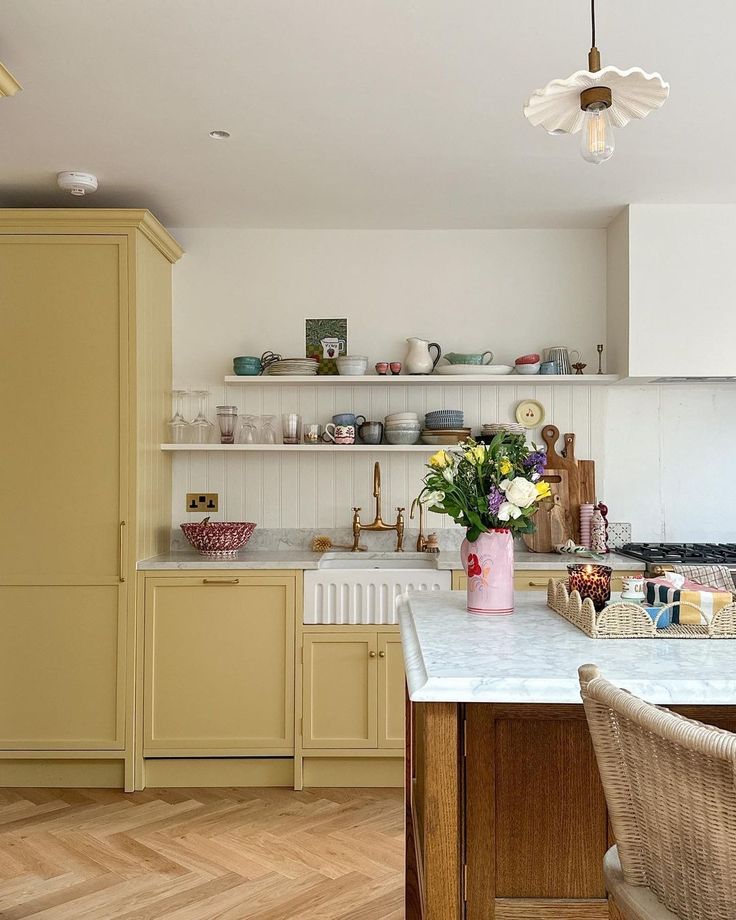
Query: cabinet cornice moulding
[91,220]
[9,86]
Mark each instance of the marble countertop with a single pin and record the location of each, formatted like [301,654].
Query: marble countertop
[533,656]
[305,559]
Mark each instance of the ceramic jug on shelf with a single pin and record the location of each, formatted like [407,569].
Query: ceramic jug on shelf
[418,358]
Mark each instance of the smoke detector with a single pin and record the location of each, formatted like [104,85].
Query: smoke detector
[78,183]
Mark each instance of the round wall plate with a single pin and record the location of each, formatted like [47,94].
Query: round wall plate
[530,413]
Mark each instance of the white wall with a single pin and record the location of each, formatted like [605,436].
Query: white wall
[662,452]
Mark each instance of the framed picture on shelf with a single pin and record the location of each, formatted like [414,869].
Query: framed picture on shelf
[326,340]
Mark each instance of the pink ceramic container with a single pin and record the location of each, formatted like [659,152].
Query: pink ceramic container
[395,367]
[489,565]
[382,368]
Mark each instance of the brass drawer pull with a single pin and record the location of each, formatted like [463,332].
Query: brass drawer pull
[537,584]
[381,654]
[121,552]
[372,654]
[220,581]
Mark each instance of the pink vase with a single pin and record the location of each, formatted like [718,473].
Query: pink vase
[489,565]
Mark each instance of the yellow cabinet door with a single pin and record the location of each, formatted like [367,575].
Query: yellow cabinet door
[63,319]
[538,579]
[219,665]
[391,691]
[62,667]
[339,690]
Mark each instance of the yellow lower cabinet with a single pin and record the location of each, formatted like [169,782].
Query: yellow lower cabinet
[391,691]
[353,690]
[62,667]
[537,579]
[219,665]
[339,690]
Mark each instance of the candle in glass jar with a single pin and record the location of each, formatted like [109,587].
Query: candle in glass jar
[593,581]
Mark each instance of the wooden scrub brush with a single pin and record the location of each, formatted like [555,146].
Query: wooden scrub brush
[323,544]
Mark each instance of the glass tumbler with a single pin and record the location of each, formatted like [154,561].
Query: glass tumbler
[291,426]
[227,417]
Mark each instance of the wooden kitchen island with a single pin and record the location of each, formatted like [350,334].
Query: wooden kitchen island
[506,816]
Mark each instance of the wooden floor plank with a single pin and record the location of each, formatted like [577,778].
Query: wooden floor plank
[201,854]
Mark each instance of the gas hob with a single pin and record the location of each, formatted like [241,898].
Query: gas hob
[682,553]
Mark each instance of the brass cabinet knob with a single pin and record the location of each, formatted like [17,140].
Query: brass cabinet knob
[381,654]
[372,654]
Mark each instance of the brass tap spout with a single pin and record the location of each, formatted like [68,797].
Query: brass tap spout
[421,539]
[378,522]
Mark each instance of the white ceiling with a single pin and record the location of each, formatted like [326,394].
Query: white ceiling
[355,113]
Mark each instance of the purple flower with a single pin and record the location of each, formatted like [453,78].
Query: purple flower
[495,499]
[536,461]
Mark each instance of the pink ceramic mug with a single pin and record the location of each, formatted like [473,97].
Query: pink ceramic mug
[382,368]
[339,434]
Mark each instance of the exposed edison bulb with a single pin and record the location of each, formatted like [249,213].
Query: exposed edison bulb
[597,142]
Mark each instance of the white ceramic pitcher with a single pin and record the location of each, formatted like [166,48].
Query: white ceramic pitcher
[418,358]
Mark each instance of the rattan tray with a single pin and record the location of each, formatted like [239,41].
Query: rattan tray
[630,621]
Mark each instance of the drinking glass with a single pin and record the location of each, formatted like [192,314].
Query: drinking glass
[268,430]
[227,417]
[179,428]
[247,429]
[202,428]
[291,425]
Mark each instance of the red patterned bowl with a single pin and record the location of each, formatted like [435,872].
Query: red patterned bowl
[219,539]
[527,359]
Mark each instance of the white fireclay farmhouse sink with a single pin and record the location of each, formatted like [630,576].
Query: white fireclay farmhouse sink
[359,591]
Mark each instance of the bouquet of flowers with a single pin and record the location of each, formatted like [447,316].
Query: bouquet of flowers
[486,487]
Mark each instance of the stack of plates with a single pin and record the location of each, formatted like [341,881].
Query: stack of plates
[293,367]
[445,437]
[444,419]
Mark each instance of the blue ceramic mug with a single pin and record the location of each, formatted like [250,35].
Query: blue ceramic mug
[548,367]
[347,418]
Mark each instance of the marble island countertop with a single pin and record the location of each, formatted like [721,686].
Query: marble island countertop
[533,656]
[304,559]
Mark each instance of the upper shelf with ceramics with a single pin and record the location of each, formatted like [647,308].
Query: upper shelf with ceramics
[427,380]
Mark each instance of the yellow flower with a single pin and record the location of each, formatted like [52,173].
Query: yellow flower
[440,460]
[475,454]
[543,491]
[505,466]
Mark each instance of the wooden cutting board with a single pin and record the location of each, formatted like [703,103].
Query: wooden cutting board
[541,540]
[557,464]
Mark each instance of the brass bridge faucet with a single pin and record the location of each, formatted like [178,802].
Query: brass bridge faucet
[378,523]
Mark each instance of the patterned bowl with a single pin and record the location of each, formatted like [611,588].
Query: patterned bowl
[219,539]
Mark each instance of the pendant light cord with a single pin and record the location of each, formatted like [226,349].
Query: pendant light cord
[592,23]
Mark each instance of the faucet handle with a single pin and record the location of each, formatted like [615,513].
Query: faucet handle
[356,510]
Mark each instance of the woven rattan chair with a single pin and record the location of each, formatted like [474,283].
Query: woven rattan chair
[670,785]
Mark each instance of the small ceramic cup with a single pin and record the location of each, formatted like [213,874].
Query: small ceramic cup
[347,418]
[340,434]
[382,368]
[633,588]
[548,367]
[371,432]
[395,367]
[312,433]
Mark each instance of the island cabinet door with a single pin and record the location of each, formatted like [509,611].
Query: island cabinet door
[339,690]
[535,812]
[219,665]
[391,691]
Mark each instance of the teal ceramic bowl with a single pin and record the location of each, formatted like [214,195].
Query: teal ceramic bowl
[456,358]
[247,366]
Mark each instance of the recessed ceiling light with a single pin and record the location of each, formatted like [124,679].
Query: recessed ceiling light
[219,135]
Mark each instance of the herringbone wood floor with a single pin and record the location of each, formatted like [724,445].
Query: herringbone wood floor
[201,854]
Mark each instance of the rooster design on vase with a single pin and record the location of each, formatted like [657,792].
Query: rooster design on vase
[493,491]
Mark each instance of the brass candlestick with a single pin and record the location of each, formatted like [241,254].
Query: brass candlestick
[599,349]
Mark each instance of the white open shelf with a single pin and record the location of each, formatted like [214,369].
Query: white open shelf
[430,380]
[314,448]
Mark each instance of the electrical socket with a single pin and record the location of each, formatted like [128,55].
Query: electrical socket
[202,501]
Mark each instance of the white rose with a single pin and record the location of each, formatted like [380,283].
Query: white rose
[434,498]
[520,491]
[508,510]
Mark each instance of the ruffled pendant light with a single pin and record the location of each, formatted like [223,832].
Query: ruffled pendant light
[596,101]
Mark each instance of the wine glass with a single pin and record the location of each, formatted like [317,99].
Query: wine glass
[247,429]
[179,428]
[268,429]
[202,428]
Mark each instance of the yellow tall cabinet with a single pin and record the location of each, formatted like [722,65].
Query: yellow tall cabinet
[85,321]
